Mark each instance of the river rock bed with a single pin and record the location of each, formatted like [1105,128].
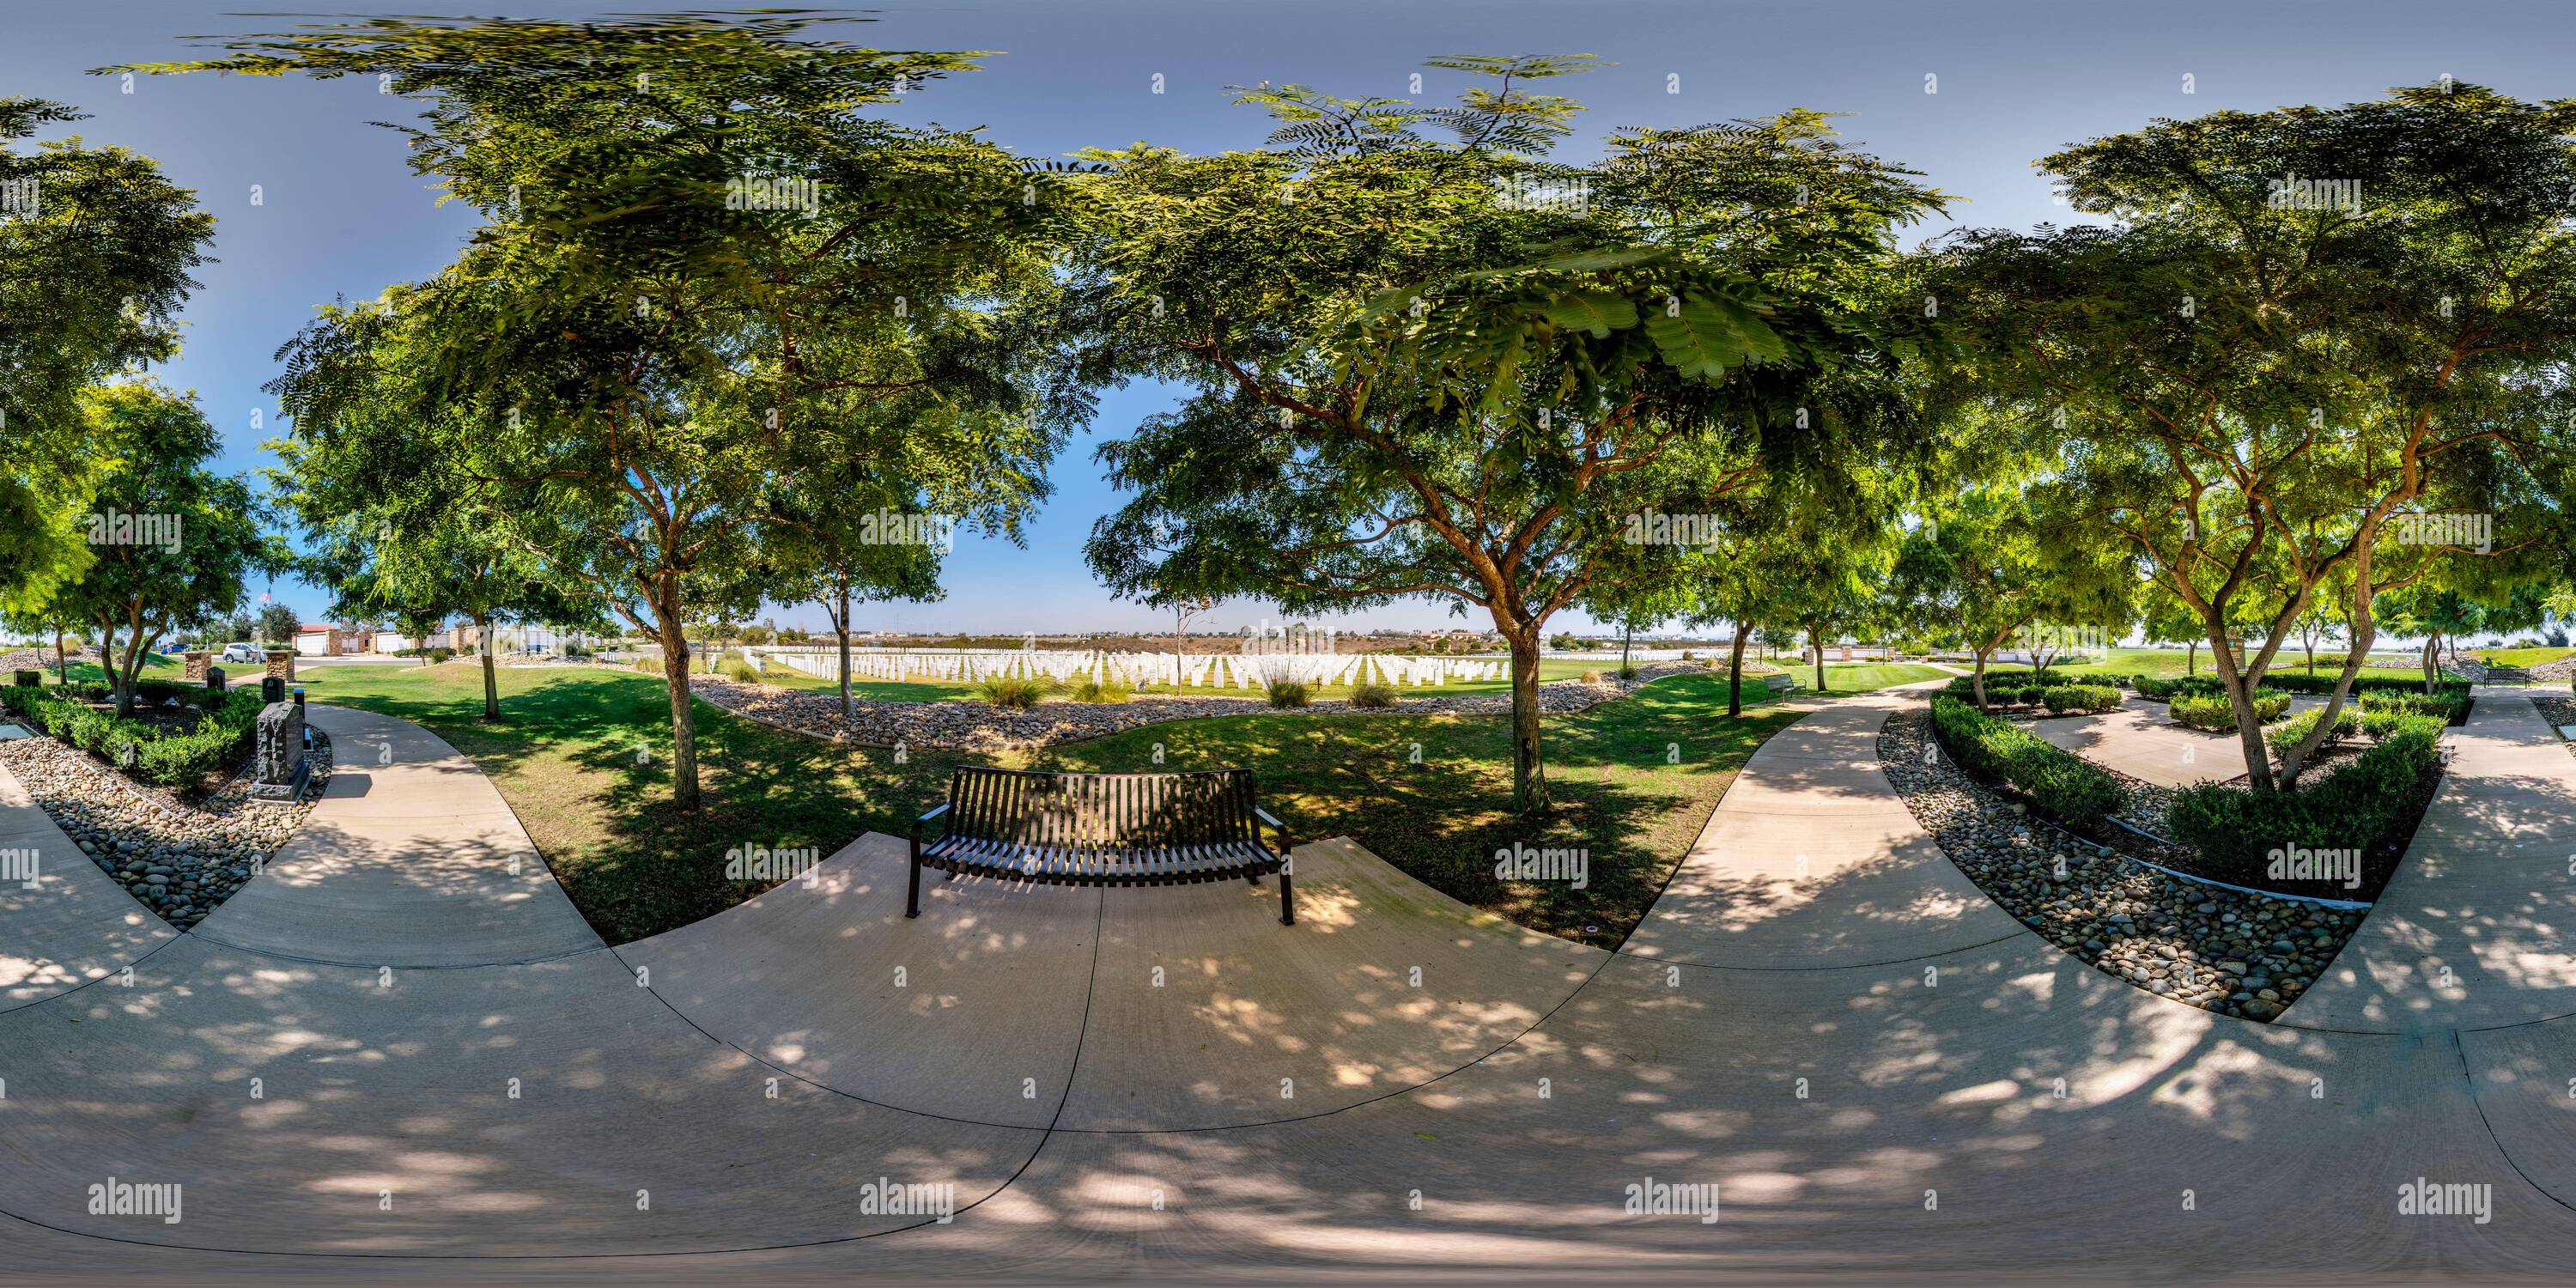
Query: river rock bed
[181,861]
[979,726]
[2246,955]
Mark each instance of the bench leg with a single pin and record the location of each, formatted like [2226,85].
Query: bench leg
[912,897]
[1287,899]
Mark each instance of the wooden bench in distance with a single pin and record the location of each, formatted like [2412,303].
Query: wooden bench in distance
[1102,829]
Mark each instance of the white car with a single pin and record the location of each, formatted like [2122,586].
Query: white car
[238,652]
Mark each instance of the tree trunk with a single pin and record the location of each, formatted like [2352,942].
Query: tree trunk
[1529,775]
[2365,629]
[2432,650]
[491,669]
[1816,640]
[1979,683]
[684,730]
[2240,700]
[62,661]
[1735,675]
[1626,633]
[2191,659]
[841,627]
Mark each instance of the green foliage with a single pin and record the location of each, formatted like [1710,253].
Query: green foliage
[2061,782]
[2091,698]
[2448,707]
[1013,692]
[92,277]
[1284,693]
[142,585]
[183,760]
[2216,714]
[1093,690]
[2290,733]
[734,668]
[2352,808]
[1373,697]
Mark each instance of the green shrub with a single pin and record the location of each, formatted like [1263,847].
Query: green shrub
[2290,733]
[648,665]
[181,759]
[2062,698]
[2352,808]
[2198,686]
[1285,693]
[1592,677]
[2062,783]
[1009,691]
[1089,690]
[1628,672]
[2217,715]
[2450,709]
[734,668]
[1373,697]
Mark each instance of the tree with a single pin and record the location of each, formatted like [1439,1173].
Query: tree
[2261,379]
[96,247]
[1983,563]
[1409,379]
[707,266]
[173,541]
[279,625]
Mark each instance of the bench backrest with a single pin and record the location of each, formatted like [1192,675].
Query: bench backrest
[1132,811]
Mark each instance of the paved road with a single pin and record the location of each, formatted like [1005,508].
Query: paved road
[1882,1074]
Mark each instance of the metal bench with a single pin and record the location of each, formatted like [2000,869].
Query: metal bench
[1780,682]
[1102,829]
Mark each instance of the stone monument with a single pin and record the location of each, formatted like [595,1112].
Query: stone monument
[272,690]
[281,765]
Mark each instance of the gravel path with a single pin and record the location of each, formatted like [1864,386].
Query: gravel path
[180,861]
[978,726]
[2237,954]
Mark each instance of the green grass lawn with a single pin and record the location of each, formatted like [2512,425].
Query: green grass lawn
[1634,781]
[1862,677]
[2522,656]
[2166,664]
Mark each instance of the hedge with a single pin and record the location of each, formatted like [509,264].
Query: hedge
[2062,783]
[2450,708]
[2062,698]
[221,738]
[2353,808]
[2290,732]
[2217,715]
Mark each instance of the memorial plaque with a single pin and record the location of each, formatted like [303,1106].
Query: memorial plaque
[272,690]
[281,765]
[215,678]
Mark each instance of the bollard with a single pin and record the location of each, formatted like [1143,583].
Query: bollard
[215,678]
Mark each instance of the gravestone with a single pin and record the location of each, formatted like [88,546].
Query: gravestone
[215,678]
[281,753]
[272,690]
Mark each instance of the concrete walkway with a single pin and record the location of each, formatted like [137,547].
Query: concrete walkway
[1884,1077]
[2478,928]
[410,859]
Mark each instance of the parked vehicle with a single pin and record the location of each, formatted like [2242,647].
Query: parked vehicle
[241,652]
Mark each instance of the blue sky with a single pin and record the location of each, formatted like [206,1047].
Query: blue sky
[337,213]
